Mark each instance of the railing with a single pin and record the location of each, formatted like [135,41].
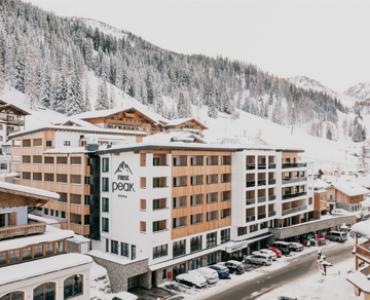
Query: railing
[289,196]
[261,182]
[294,210]
[261,199]
[251,166]
[250,219]
[22,230]
[250,183]
[250,201]
[261,216]
[363,250]
[294,165]
[272,166]
[261,166]
[272,181]
[296,179]
[272,197]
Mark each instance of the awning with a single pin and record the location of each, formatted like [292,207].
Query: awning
[234,246]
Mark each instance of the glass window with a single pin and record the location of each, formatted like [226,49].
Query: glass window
[73,286]
[124,249]
[13,296]
[105,164]
[105,224]
[114,247]
[45,291]
[211,239]
[225,235]
[160,251]
[179,248]
[105,184]
[133,252]
[196,243]
[105,204]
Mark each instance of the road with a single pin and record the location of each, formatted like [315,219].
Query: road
[303,266]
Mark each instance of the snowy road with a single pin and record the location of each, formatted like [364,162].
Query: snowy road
[299,268]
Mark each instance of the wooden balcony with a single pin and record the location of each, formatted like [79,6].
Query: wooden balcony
[363,251]
[22,230]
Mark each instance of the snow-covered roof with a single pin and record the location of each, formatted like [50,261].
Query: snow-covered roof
[350,188]
[45,220]
[362,228]
[30,191]
[112,257]
[319,184]
[180,121]
[32,269]
[142,109]
[51,234]
[168,137]
[78,122]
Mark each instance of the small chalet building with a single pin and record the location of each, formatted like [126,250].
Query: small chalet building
[33,259]
[349,195]
[324,197]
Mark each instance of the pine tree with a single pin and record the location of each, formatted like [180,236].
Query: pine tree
[59,104]
[45,87]
[102,101]
[183,106]
[212,110]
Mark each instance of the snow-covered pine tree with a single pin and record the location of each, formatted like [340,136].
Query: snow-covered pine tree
[59,103]
[45,87]
[183,106]
[102,101]
[212,110]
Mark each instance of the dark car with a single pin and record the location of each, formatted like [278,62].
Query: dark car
[235,266]
[282,246]
[222,271]
[287,298]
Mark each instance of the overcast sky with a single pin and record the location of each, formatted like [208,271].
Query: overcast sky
[324,39]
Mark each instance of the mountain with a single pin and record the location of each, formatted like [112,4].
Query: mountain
[71,65]
[360,91]
[307,83]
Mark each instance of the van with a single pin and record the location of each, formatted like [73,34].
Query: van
[337,236]
[284,247]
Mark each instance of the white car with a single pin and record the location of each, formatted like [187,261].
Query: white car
[192,279]
[208,273]
[267,253]
[257,260]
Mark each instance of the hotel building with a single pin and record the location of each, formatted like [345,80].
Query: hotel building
[33,259]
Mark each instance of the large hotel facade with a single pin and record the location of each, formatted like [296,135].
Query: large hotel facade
[156,199]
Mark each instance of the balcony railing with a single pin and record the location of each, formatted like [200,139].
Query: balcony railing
[261,199]
[295,179]
[272,166]
[251,166]
[294,165]
[261,216]
[250,183]
[261,182]
[272,181]
[250,219]
[294,210]
[22,230]
[289,196]
[250,201]
[363,250]
[272,197]
[261,166]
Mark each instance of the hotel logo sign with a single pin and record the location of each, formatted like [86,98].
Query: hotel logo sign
[123,181]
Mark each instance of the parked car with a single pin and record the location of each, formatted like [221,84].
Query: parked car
[208,273]
[223,272]
[282,246]
[337,236]
[258,260]
[296,247]
[276,251]
[267,253]
[235,266]
[192,279]
[287,298]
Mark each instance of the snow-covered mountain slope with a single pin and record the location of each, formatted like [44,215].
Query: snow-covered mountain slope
[105,28]
[315,85]
[360,91]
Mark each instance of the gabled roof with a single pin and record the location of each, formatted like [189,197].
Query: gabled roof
[350,188]
[176,122]
[14,108]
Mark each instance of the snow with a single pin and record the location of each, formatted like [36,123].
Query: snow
[111,257]
[317,287]
[362,228]
[66,150]
[320,184]
[360,91]
[41,266]
[105,28]
[359,280]
[350,188]
[51,234]
[35,192]
[45,220]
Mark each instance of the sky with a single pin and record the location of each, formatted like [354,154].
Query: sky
[327,40]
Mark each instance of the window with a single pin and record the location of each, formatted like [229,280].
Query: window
[76,160]
[62,178]
[45,291]
[105,224]
[196,199]
[63,214]
[196,180]
[196,243]
[75,179]
[226,177]
[212,197]
[196,219]
[46,211]
[159,225]
[63,197]
[179,222]
[212,179]
[179,161]
[75,198]
[225,213]
[242,230]
[253,228]
[105,184]
[178,202]
[159,203]
[26,143]
[49,143]
[226,160]
[160,251]
[142,226]
[212,160]
[37,176]
[142,204]
[133,252]
[48,159]
[211,239]
[67,143]
[124,249]
[105,164]
[179,248]
[159,182]
[37,142]
[49,177]
[114,247]
[62,160]
[106,245]
[226,196]
[3,166]
[179,181]
[225,235]
[37,159]
[73,286]
[13,296]
[26,159]
[26,175]
[197,160]
[212,215]
[105,204]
